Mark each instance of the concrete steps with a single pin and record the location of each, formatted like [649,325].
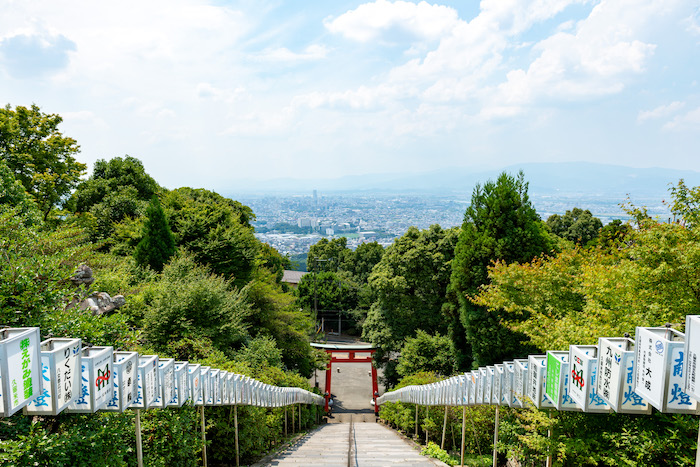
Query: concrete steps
[352,445]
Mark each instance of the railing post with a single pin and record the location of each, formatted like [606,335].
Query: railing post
[464,423]
[444,427]
[235,422]
[427,417]
[204,439]
[139,446]
[416,421]
[495,441]
[285,421]
[549,436]
[697,450]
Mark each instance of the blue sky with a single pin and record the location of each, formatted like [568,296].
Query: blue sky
[208,92]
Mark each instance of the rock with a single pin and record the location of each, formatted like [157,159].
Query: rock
[82,275]
[101,303]
[119,301]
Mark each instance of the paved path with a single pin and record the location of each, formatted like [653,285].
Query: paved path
[352,445]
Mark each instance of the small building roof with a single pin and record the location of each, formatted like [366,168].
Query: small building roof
[292,277]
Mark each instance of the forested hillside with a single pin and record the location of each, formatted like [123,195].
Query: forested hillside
[196,283]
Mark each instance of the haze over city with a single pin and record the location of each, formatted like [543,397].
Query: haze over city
[216,93]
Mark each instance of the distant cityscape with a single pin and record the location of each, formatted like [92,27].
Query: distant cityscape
[292,223]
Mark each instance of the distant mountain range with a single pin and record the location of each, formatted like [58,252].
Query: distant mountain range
[565,179]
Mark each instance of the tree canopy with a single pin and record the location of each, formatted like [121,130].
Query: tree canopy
[408,285]
[157,244]
[215,229]
[576,225]
[500,225]
[39,156]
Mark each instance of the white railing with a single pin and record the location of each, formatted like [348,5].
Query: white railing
[59,374]
[656,369]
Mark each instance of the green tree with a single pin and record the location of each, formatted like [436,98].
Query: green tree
[273,261]
[117,189]
[216,230]
[111,176]
[425,352]
[685,204]
[613,235]
[409,284]
[500,225]
[328,255]
[158,244]
[576,225]
[363,260]
[38,154]
[14,199]
[189,302]
[275,315]
[329,291]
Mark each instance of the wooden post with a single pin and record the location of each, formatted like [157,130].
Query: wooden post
[204,440]
[235,422]
[444,427]
[427,416]
[292,418]
[299,417]
[495,441]
[464,423]
[697,450]
[139,446]
[549,436]
[416,421]
[285,421]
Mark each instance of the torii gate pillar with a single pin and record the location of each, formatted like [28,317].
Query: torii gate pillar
[338,354]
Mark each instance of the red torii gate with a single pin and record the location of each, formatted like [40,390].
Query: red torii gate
[351,350]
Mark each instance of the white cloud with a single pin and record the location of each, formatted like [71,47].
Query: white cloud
[596,59]
[283,54]
[209,91]
[382,19]
[661,111]
[688,121]
[693,22]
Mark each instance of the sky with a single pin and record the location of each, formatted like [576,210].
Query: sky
[209,92]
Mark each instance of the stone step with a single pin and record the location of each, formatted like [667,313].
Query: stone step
[367,444]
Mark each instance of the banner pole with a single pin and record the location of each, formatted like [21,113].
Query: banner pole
[416,421]
[235,422]
[495,440]
[697,451]
[204,439]
[427,416]
[139,446]
[464,420]
[549,437]
[444,427]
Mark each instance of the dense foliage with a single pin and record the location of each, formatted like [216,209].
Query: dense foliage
[157,244]
[408,286]
[500,225]
[40,157]
[198,287]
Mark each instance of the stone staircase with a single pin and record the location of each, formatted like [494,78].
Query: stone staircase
[352,444]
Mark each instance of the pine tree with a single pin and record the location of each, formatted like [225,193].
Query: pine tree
[500,225]
[158,243]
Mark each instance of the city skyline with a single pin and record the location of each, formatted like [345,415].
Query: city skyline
[206,92]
